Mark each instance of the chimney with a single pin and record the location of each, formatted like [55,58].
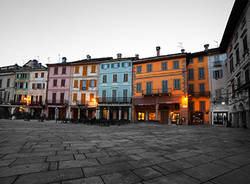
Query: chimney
[88,57]
[137,56]
[119,56]
[64,59]
[158,48]
[206,46]
[183,51]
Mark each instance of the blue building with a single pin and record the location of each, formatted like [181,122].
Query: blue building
[115,88]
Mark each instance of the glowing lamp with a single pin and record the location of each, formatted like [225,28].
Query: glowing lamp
[184,101]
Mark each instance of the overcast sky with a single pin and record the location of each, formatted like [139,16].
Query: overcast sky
[49,29]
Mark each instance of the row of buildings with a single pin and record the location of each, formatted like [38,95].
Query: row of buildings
[210,86]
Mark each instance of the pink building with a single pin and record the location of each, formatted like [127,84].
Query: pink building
[58,91]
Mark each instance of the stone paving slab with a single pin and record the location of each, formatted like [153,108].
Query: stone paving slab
[146,153]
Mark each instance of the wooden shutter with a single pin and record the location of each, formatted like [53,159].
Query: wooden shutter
[90,83]
[74,96]
[87,84]
[85,69]
[75,83]
[80,84]
[95,83]
[83,98]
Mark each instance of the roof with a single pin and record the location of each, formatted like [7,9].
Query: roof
[160,58]
[204,52]
[10,68]
[82,61]
[237,10]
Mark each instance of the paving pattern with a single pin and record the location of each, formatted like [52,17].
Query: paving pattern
[46,152]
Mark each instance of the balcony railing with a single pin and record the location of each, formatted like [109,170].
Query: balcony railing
[199,94]
[114,100]
[217,63]
[36,103]
[14,102]
[79,102]
[166,92]
[57,102]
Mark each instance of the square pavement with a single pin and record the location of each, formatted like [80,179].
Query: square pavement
[145,153]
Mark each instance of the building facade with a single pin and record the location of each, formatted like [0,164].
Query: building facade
[218,93]
[84,88]
[160,89]
[58,90]
[37,91]
[198,87]
[235,43]
[115,88]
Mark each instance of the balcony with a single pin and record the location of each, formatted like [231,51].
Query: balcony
[217,63]
[13,102]
[157,92]
[114,100]
[36,103]
[199,94]
[57,102]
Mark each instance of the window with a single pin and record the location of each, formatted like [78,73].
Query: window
[218,74]
[84,85]
[138,87]
[42,75]
[38,86]
[191,88]
[176,64]
[85,70]
[202,88]
[40,99]
[245,46]
[191,60]
[43,85]
[138,69]
[64,70]
[104,94]
[125,93]
[33,86]
[55,70]
[93,69]
[76,69]
[191,74]
[149,67]
[164,66]
[92,83]
[216,58]
[231,65]
[8,83]
[54,82]
[164,86]
[83,96]
[62,97]
[114,95]
[201,73]
[237,56]
[75,83]
[104,79]
[63,82]
[239,82]
[115,65]
[125,78]
[218,93]
[246,75]
[114,77]
[0,83]
[74,97]
[105,66]
[53,97]
[126,64]
[91,97]
[202,106]
[200,58]
[177,84]
[36,75]
[149,87]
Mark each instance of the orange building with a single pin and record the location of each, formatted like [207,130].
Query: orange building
[198,87]
[160,88]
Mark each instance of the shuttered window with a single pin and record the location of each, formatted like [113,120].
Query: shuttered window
[85,70]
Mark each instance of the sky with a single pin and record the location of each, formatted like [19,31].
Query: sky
[48,30]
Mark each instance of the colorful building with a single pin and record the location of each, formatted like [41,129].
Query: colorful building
[159,88]
[115,88]
[58,90]
[218,93]
[84,87]
[37,91]
[198,87]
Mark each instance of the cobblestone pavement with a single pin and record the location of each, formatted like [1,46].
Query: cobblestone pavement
[36,152]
